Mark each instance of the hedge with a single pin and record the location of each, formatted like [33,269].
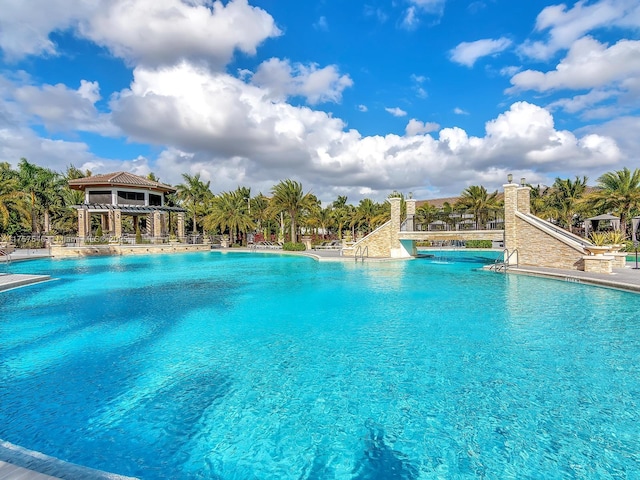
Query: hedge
[294,247]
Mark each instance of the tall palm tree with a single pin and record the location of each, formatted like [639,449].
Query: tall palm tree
[369,215]
[13,200]
[260,213]
[43,187]
[193,193]
[540,199]
[425,214]
[619,193]
[567,200]
[476,200]
[229,211]
[289,197]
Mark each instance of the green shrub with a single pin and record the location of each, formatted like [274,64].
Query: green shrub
[478,244]
[294,247]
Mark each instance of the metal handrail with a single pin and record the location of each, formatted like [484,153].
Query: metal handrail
[502,265]
[4,253]
[362,252]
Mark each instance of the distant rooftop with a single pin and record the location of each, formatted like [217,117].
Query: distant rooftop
[119,179]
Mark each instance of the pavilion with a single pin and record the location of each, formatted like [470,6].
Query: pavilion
[113,195]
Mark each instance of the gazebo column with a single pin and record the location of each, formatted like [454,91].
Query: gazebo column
[117,223]
[157,226]
[111,223]
[180,225]
[104,222]
[83,223]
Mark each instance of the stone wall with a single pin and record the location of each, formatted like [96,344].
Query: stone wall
[93,250]
[377,243]
[538,248]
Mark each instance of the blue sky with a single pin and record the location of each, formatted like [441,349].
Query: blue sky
[349,98]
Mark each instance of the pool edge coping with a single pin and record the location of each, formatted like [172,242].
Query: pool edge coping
[44,464]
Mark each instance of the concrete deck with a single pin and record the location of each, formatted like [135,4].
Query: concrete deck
[15,280]
[18,463]
[622,278]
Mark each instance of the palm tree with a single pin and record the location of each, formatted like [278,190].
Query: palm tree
[193,194]
[288,197]
[260,213]
[619,193]
[43,186]
[13,201]
[340,213]
[540,196]
[476,200]
[229,211]
[425,214]
[369,215]
[567,200]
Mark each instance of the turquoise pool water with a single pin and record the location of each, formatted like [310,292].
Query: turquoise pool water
[250,366]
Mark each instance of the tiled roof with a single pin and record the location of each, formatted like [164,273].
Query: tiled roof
[124,179]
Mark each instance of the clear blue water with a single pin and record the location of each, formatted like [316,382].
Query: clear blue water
[249,366]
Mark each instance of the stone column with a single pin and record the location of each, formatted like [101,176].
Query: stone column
[117,223]
[104,223]
[83,214]
[396,248]
[411,213]
[112,223]
[510,208]
[181,225]
[524,200]
[157,226]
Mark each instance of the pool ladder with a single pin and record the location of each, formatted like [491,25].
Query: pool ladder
[502,265]
[6,256]
[361,253]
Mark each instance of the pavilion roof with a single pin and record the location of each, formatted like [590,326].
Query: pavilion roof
[119,179]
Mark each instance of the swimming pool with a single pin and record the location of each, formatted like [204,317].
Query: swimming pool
[250,366]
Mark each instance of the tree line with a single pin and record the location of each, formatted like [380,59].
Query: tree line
[35,200]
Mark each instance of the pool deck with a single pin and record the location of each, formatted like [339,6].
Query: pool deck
[18,463]
[627,278]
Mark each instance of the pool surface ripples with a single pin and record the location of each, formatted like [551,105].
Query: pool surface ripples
[218,366]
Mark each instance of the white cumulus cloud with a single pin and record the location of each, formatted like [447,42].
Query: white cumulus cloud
[283,80]
[588,64]
[566,25]
[467,53]
[396,111]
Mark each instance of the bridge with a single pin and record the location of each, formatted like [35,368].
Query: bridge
[527,239]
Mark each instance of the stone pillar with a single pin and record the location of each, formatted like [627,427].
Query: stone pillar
[181,225]
[524,200]
[396,248]
[148,224]
[157,226]
[83,214]
[510,209]
[112,223]
[117,223]
[395,220]
[104,223]
[411,213]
